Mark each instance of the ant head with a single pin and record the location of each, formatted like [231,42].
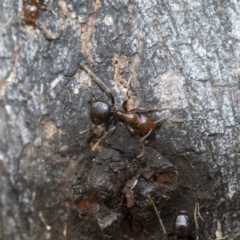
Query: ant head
[100,112]
[30,14]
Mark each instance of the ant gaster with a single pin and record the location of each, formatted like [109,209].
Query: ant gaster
[102,113]
[182,227]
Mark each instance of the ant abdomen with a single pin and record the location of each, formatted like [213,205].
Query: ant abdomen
[145,125]
[182,225]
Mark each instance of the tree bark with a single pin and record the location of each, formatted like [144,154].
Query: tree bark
[179,54]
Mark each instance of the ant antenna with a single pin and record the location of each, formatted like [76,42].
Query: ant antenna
[158,215]
[104,136]
[9,22]
[197,212]
[98,81]
[143,146]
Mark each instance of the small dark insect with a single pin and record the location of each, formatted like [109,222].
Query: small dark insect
[102,113]
[182,227]
[31,11]
[29,15]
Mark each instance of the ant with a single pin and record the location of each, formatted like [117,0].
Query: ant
[31,11]
[102,113]
[29,15]
[182,227]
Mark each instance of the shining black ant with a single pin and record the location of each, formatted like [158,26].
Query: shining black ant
[102,113]
[182,227]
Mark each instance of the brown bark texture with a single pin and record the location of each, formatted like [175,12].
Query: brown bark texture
[183,55]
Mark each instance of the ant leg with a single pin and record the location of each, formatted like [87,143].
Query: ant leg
[48,34]
[84,131]
[5,25]
[105,134]
[124,105]
[10,22]
[163,120]
[98,81]
[128,83]
[47,8]
[143,110]
[176,120]
[158,215]
[143,147]
[196,215]
[129,128]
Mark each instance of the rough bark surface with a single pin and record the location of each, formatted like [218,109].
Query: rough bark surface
[183,54]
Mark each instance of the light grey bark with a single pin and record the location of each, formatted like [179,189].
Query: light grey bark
[184,54]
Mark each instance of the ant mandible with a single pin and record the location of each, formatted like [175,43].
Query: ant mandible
[102,113]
